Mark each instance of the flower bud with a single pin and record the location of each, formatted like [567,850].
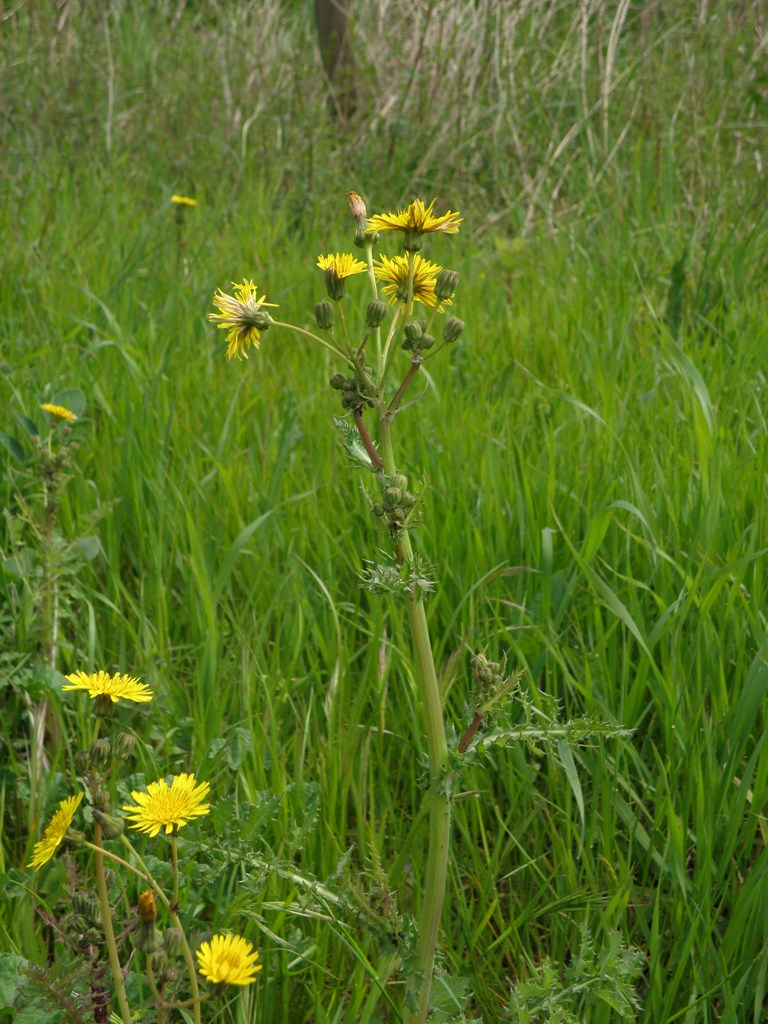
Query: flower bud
[173,941]
[82,762]
[375,313]
[452,328]
[75,837]
[337,381]
[148,938]
[78,923]
[111,826]
[413,331]
[334,284]
[351,400]
[392,495]
[379,509]
[102,801]
[147,906]
[426,341]
[364,237]
[101,753]
[407,500]
[413,240]
[356,206]
[324,315]
[124,744]
[398,480]
[86,905]
[445,284]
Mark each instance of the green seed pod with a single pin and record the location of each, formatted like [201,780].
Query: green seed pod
[82,762]
[334,285]
[324,315]
[445,284]
[124,745]
[375,313]
[111,826]
[452,328]
[101,754]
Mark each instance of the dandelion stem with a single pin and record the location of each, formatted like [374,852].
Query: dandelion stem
[308,334]
[109,932]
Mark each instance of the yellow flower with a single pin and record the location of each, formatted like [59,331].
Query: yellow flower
[168,807]
[228,960]
[343,263]
[58,412]
[417,218]
[116,687]
[395,271]
[241,315]
[183,201]
[55,832]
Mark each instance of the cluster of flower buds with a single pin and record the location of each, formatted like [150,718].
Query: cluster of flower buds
[102,753]
[416,338]
[351,391]
[396,502]
[85,921]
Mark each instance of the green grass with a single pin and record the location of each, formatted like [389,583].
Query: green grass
[596,452]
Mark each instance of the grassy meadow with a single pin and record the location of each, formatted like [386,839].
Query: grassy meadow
[596,449]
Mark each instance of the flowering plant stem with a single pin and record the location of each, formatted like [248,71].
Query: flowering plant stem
[109,932]
[420,979]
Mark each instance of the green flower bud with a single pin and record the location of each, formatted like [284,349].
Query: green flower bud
[351,400]
[173,941]
[82,762]
[92,937]
[148,937]
[413,330]
[85,904]
[452,328]
[324,314]
[375,313]
[124,744]
[111,826]
[102,801]
[413,240]
[379,509]
[334,284]
[101,753]
[407,500]
[338,380]
[445,284]
[397,516]
[79,924]
[426,341]
[392,495]
[103,706]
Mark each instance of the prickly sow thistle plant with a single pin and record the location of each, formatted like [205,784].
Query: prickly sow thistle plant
[372,385]
[160,812]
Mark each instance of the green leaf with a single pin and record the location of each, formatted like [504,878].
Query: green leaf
[12,446]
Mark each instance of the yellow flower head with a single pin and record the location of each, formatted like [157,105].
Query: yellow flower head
[395,271]
[228,960]
[343,263]
[55,832]
[116,687]
[58,412]
[183,201]
[168,807]
[418,218]
[241,315]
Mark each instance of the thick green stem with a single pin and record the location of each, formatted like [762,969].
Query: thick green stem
[191,969]
[109,932]
[420,980]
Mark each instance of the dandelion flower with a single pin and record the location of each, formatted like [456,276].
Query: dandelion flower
[183,201]
[241,315]
[396,271]
[116,687]
[228,960]
[418,219]
[58,412]
[56,831]
[168,807]
[343,263]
